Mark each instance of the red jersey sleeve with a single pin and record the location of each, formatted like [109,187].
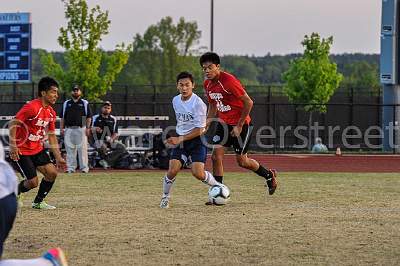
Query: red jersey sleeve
[27,111]
[52,124]
[235,87]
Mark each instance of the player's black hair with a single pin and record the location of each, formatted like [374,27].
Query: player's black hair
[45,84]
[184,75]
[210,57]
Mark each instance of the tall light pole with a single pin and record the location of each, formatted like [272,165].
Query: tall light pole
[212,27]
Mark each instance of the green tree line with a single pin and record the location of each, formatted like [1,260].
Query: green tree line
[360,71]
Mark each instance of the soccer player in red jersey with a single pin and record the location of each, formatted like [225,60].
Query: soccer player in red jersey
[27,131]
[229,102]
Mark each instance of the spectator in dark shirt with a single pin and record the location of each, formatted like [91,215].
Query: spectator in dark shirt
[104,126]
[75,127]
[105,135]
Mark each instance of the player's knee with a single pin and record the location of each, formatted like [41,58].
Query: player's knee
[51,175]
[32,183]
[199,175]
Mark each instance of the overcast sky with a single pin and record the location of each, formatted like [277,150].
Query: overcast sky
[246,27]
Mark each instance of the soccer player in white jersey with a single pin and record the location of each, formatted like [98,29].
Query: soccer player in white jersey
[191,113]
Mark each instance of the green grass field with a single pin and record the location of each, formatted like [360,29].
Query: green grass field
[313,218]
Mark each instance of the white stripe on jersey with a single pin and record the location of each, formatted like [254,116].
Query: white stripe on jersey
[36,114]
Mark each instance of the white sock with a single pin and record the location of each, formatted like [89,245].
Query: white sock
[167,185]
[210,180]
[31,262]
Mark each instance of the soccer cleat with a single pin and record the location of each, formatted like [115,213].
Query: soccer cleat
[164,204]
[272,183]
[42,206]
[56,256]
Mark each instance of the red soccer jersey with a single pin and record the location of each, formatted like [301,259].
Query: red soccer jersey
[226,93]
[36,120]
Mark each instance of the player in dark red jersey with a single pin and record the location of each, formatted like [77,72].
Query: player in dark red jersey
[32,123]
[230,103]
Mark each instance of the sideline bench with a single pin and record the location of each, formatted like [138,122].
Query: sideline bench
[132,137]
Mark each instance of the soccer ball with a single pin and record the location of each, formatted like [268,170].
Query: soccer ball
[219,195]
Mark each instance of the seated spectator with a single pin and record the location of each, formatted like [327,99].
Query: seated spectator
[319,147]
[105,134]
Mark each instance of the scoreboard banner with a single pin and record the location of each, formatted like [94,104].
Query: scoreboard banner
[15,47]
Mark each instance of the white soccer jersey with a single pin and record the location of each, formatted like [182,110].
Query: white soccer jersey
[190,114]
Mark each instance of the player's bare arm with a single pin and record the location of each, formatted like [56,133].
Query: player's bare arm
[14,151]
[247,106]
[56,150]
[193,134]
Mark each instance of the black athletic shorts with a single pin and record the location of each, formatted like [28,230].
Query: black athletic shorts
[8,211]
[27,164]
[223,137]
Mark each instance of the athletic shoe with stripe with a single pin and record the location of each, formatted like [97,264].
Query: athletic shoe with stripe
[42,206]
[56,256]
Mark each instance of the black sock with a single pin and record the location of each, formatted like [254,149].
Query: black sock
[44,189]
[261,171]
[22,188]
[219,178]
